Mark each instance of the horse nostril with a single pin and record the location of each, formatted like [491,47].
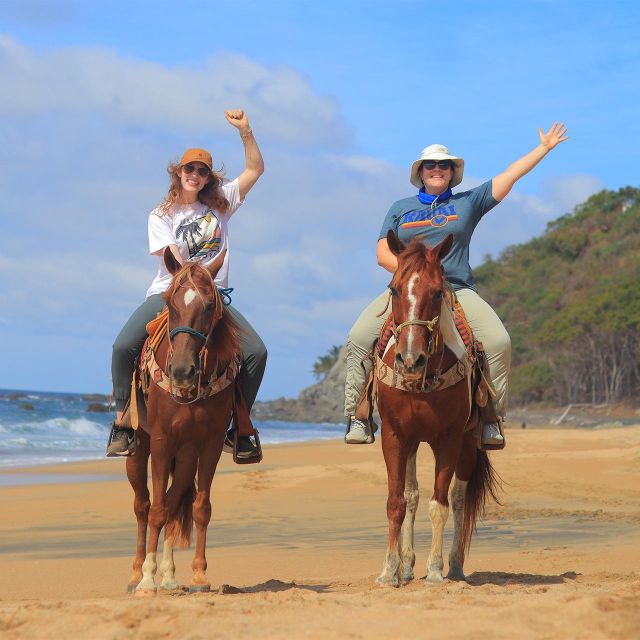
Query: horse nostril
[420,362]
[399,359]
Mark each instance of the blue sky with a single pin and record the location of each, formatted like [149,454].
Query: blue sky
[342,96]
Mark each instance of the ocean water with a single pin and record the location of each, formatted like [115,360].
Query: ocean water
[42,428]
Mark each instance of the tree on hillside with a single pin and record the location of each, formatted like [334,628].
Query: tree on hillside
[323,364]
[571,303]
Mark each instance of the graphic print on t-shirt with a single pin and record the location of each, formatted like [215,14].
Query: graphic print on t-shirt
[202,234]
[439,217]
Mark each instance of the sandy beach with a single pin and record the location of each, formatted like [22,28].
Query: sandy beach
[296,543]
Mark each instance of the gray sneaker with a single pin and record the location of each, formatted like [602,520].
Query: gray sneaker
[360,432]
[122,442]
[491,434]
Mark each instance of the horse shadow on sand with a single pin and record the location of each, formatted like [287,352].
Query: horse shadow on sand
[273,586]
[501,578]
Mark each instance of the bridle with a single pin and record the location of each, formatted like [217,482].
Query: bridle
[221,298]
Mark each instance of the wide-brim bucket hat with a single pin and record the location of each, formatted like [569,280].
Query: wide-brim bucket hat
[437,152]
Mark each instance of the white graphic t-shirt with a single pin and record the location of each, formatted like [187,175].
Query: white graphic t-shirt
[199,232]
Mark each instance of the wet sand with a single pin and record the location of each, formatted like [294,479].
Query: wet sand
[296,543]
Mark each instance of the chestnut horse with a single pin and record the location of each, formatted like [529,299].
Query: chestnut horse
[184,437]
[438,417]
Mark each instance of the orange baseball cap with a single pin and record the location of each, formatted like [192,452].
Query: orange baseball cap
[197,155]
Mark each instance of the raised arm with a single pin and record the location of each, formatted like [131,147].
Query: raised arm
[254,164]
[503,182]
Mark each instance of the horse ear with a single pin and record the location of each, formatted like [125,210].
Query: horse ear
[395,244]
[173,266]
[214,267]
[442,249]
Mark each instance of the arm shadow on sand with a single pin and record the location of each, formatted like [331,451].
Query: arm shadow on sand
[501,578]
[273,585]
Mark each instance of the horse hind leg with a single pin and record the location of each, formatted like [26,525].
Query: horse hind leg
[439,514]
[168,566]
[456,556]
[412,496]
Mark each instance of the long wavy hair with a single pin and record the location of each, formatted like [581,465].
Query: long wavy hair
[210,195]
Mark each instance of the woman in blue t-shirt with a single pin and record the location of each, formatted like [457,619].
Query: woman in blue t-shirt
[430,216]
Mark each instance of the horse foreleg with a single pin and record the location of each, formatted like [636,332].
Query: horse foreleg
[137,475]
[411,496]
[157,514]
[456,556]
[395,457]
[207,464]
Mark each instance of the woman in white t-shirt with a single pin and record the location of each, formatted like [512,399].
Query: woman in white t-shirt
[192,221]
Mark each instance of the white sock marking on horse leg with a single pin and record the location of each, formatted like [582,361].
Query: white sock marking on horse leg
[149,568]
[167,566]
[412,495]
[413,300]
[439,514]
[456,557]
[189,297]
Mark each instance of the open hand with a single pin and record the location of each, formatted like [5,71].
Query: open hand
[554,136]
[237,117]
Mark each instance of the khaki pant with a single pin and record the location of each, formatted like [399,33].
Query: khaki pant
[483,320]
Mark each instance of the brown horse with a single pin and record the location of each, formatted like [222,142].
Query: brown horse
[184,436]
[439,417]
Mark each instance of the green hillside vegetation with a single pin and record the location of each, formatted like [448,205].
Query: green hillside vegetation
[571,303]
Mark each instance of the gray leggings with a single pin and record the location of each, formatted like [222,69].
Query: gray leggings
[128,345]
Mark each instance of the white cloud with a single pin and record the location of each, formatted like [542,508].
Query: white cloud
[192,97]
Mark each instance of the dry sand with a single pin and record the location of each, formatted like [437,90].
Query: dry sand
[301,537]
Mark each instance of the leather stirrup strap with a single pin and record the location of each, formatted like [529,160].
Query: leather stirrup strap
[241,418]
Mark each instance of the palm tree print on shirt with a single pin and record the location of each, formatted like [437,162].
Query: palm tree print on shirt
[202,235]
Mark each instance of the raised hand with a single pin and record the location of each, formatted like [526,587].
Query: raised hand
[237,117]
[554,136]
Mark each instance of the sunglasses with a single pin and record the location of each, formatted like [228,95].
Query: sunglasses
[442,164]
[190,168]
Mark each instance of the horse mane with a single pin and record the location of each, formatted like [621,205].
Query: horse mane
[416,257]
[225,335]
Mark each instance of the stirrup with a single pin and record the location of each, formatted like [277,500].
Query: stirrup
[254,459]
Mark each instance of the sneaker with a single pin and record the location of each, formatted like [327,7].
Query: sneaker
[359,432]
[491,434]
[122,442]
[246,446]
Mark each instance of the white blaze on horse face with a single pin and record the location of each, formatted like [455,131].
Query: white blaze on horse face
[189,296]
[413,301]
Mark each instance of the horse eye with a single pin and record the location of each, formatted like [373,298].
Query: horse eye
[394,291]
[438,295]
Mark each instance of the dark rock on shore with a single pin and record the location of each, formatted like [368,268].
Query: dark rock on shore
[98,407]
[321,402]
[27,406]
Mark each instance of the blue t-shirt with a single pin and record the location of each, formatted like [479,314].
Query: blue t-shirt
[458,215]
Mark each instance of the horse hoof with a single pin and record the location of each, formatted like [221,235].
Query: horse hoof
[387,582]
[131,587]
[145,593]
[199,588]
[169,586]
[405,578]
[434,578]
[456,573]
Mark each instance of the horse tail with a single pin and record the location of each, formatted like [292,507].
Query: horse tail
[180,527]
[484,482]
